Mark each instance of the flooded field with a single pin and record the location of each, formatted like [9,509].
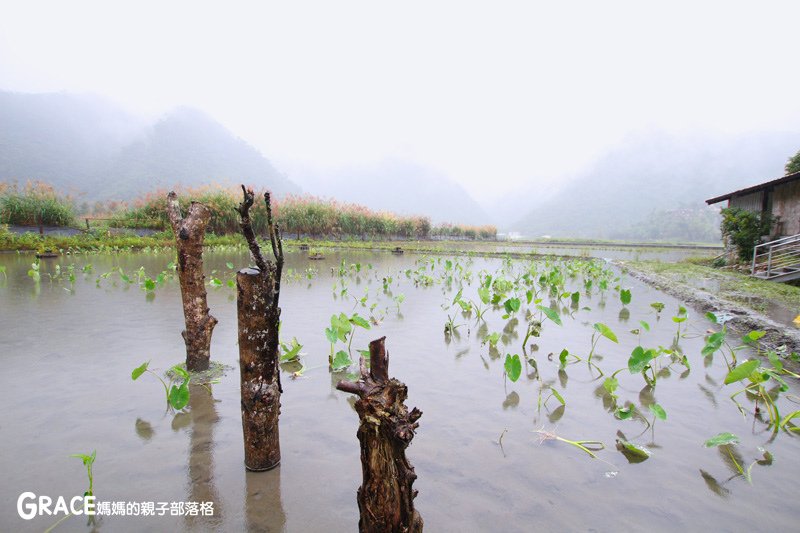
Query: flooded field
[622,252]
[485,452]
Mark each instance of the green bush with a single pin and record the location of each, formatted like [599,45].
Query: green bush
[37,203]
[744,229]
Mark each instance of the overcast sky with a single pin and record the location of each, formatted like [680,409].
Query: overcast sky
[489,93]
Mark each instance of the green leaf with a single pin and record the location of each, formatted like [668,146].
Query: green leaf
[789,417]
[179,396]
[610,385]
[511,305]
[180,371]
[215,282]
[640,359]
[139,370]
[576,297]
[645,325]
[550,313]
[658,306]
[332,335]
[679,319]
[606,332]
[343,325]
[775,360]
[229,265]
[359,321]
[558,396]
[492,338]
[721,439]
[659,411]
[625,296]
[624,413]
[742,371]
[149,284]
[341,360]
[290,352]
[513,367]
[713,343]
[712,317]
[562,357]
[484,294]
[753,336]
[458,296]
[636,450]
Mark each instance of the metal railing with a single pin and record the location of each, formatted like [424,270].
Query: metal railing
[777,258]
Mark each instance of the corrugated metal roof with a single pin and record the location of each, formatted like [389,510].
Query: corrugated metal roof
[754,188]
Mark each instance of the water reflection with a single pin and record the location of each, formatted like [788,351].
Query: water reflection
[263,507]
[203,418]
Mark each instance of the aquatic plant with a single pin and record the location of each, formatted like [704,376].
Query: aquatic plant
[512,367]
[88,462]
[342,329]
[600,331]
[587,446]
[176,394]
[726,441]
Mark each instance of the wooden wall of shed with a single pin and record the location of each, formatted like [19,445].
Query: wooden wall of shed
[749,202]
[786,204]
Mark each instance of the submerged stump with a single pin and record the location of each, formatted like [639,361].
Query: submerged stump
[258,292]
[386,497]
[189,235]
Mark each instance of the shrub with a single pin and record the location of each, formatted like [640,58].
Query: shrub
[744,229]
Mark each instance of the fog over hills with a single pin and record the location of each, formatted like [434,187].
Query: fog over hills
[399,186]
[189,148]
[86,145]
[60,138]
[92,149]
[652,186]
[632,186]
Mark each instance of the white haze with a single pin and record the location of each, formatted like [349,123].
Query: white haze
[497,96]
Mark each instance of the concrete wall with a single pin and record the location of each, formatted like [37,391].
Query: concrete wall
[786,204]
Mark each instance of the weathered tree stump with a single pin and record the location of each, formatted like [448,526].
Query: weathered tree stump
[189,235]
[385,498]
[258,292]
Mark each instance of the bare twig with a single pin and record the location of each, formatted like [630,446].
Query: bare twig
[247,228]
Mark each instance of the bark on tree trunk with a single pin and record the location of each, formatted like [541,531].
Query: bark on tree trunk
[258,292]
[189,235]
[385,498]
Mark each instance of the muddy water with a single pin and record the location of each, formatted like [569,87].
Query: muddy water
[67,352]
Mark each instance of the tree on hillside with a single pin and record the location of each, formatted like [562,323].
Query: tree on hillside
[793,165]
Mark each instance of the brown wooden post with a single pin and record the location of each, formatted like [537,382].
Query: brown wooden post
[258,292]
[189,235]
[385,498]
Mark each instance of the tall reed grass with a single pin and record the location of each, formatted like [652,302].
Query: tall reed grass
[36,203]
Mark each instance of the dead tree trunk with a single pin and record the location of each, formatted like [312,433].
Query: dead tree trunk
[189,235]
[385,498]
[258,291]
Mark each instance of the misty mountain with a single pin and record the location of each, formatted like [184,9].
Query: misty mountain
[654,174]
[399,186]
[86,144]
[60,138]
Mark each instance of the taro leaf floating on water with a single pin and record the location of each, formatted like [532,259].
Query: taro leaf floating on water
[634,453]
[721,439]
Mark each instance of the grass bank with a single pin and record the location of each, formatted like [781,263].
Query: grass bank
[749,292]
